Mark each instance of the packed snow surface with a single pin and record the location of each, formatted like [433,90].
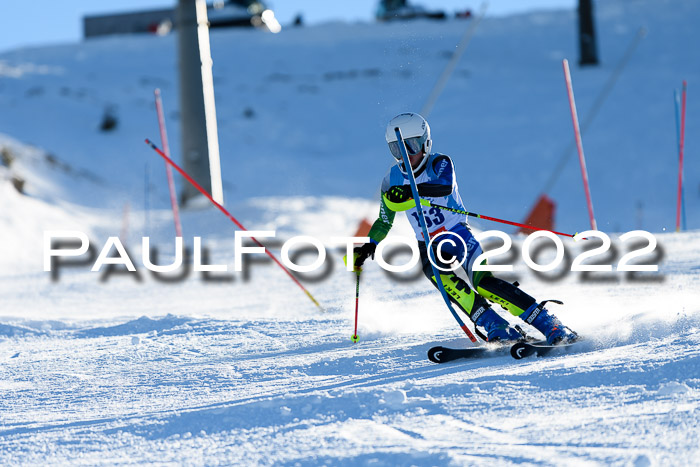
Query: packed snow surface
[240,368]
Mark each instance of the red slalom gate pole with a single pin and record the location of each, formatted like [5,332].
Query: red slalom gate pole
[680,159]
[168,170]
[228,214]
[579,143]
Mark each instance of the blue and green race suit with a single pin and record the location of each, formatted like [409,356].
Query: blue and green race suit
[437,183]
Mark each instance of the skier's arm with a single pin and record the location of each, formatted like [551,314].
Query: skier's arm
[380,228]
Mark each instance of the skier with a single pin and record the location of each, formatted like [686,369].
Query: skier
[437,182]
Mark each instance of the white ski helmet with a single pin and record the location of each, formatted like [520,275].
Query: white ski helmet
[416,134]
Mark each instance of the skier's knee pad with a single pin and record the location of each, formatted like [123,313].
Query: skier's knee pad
[457,288]
[460,293]
[505,294]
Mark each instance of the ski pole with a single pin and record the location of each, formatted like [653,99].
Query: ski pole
[426,237]
[494,219]
[355,338]
[233,219]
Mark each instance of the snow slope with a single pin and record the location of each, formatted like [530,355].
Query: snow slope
[244,370]
[318,100]
[241,374]
[232,392]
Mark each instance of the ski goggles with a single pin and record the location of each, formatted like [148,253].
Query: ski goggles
[413,146]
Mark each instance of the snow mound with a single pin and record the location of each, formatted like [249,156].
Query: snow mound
[167,325]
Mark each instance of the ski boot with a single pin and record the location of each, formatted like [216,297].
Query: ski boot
[497,328]
[548,324]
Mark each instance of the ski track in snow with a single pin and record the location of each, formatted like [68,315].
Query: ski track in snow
[209,391]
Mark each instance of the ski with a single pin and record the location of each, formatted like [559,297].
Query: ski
[522,350]
[441,354]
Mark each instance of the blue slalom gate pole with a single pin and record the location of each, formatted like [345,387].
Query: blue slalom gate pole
[677,103]
[426,237]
